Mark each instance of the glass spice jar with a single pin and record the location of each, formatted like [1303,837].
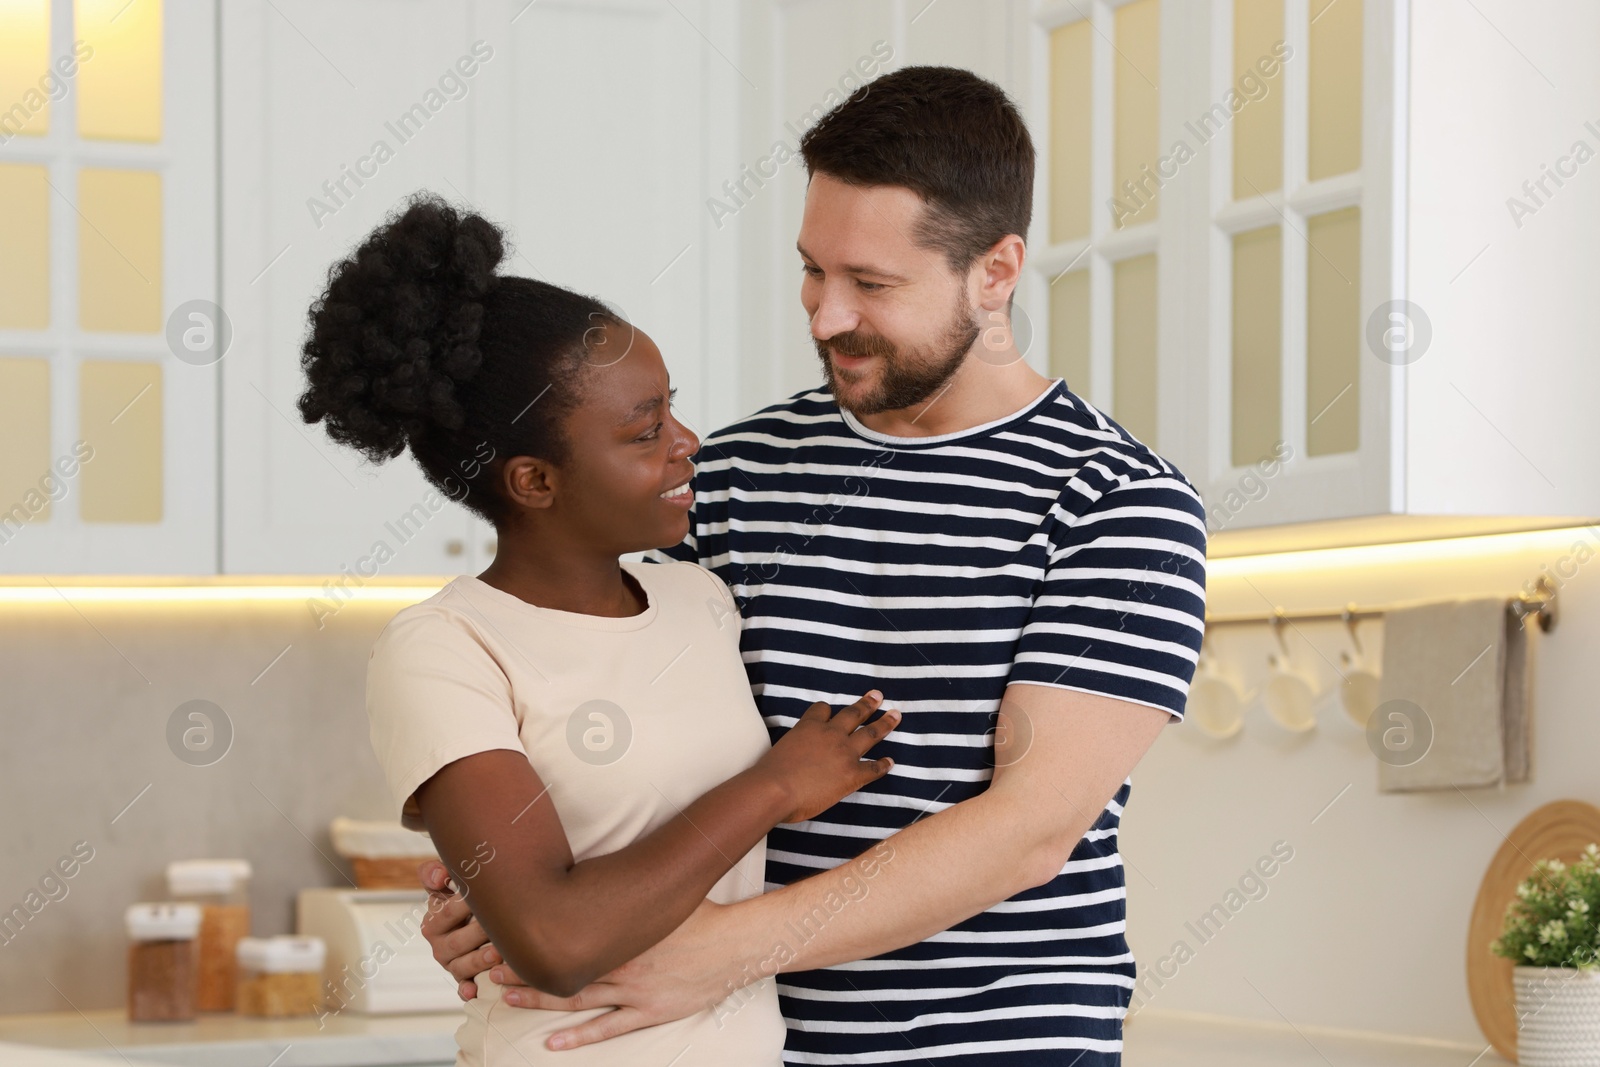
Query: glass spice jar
[280,976]
[161,961]
[222,889]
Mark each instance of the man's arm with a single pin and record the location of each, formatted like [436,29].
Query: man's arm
[1061,755]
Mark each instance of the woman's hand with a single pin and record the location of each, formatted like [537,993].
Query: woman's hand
[819,761]
[459,944]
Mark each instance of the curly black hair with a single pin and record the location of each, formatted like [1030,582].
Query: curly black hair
[417,343]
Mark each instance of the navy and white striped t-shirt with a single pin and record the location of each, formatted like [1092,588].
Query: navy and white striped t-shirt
[1048,547]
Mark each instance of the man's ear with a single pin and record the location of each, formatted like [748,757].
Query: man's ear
[999,271]
[529,482]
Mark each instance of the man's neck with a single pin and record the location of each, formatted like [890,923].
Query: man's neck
[980,392]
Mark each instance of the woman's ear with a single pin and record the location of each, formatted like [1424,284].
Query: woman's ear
[528,482]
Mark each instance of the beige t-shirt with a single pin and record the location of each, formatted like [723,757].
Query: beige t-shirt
[627,721]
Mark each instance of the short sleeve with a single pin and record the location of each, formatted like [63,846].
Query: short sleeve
[1121,610]
[720,602]
[434,695]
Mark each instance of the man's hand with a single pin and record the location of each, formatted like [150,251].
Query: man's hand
[684,974]
[459,944]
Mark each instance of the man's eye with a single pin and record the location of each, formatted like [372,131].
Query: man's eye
[655,432]
[870,287]
[815,272]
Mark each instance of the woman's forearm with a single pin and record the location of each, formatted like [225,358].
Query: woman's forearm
[561,923]
[613,907]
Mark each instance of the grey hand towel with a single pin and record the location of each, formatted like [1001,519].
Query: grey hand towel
[1465,663]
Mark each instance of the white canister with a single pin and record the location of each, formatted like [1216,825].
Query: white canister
[1558,1017]
[222,889]
[280,976]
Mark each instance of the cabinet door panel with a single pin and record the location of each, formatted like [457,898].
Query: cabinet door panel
[599,180]
[111,467]
[1290,394]
[321,142]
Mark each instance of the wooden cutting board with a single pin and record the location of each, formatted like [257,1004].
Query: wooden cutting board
[1559,830]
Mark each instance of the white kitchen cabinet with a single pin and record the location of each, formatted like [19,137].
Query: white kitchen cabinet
[107,169]
[591,131]
[309,94]
[1245,315]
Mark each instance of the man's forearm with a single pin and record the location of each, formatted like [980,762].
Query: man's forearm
[925,879]
[1063,756]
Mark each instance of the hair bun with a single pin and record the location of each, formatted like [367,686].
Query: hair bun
[396,329]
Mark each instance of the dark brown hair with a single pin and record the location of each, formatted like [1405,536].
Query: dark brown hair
[949,136]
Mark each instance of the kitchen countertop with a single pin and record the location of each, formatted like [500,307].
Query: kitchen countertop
[1183,1039]
[343,1040]
[1154,1039]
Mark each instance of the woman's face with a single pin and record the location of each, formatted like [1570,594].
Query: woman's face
[625,484]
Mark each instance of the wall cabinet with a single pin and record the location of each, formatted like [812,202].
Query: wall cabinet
[324,135]
[1332,257]
[1274,240]
[108,288]
[199,462]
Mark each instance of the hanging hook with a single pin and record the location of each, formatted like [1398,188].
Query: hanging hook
[1349,616]
[1278,621]
[1547,610]
[1542,604]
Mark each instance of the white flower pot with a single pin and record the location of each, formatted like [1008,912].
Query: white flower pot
[1558,1017]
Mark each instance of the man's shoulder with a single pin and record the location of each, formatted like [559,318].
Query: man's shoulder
[1100,453]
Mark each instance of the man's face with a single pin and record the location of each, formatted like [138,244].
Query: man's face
[892,323]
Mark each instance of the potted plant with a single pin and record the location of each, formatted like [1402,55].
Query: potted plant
[1552,935]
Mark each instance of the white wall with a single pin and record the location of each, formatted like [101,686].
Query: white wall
[1366,927]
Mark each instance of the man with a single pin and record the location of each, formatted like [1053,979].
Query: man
[1022,578]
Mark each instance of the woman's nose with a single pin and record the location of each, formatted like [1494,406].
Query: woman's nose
[687,443]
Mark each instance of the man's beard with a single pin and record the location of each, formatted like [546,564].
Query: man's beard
[905,381]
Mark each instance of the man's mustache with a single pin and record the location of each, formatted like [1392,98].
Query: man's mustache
[853,344]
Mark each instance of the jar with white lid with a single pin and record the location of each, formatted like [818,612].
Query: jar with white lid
[280,976]
[222,889]
[161,961]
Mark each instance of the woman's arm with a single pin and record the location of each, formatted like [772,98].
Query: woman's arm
[560,924]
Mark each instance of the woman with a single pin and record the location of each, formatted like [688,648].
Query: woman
[574,731]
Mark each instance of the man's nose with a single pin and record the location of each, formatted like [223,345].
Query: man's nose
[833,315]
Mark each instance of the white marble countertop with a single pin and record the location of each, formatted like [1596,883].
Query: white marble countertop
[1181,1039]
[1154,1039]
[343,1040]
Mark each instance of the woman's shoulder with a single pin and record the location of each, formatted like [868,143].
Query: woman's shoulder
[448,611]
[679,577]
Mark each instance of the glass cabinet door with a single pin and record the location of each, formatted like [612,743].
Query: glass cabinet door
[1298,252]
[107,163]
[1104,71]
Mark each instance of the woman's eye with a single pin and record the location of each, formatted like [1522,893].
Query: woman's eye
[815,272]
[655,432]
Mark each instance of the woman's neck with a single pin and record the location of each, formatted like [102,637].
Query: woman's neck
[575,581]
